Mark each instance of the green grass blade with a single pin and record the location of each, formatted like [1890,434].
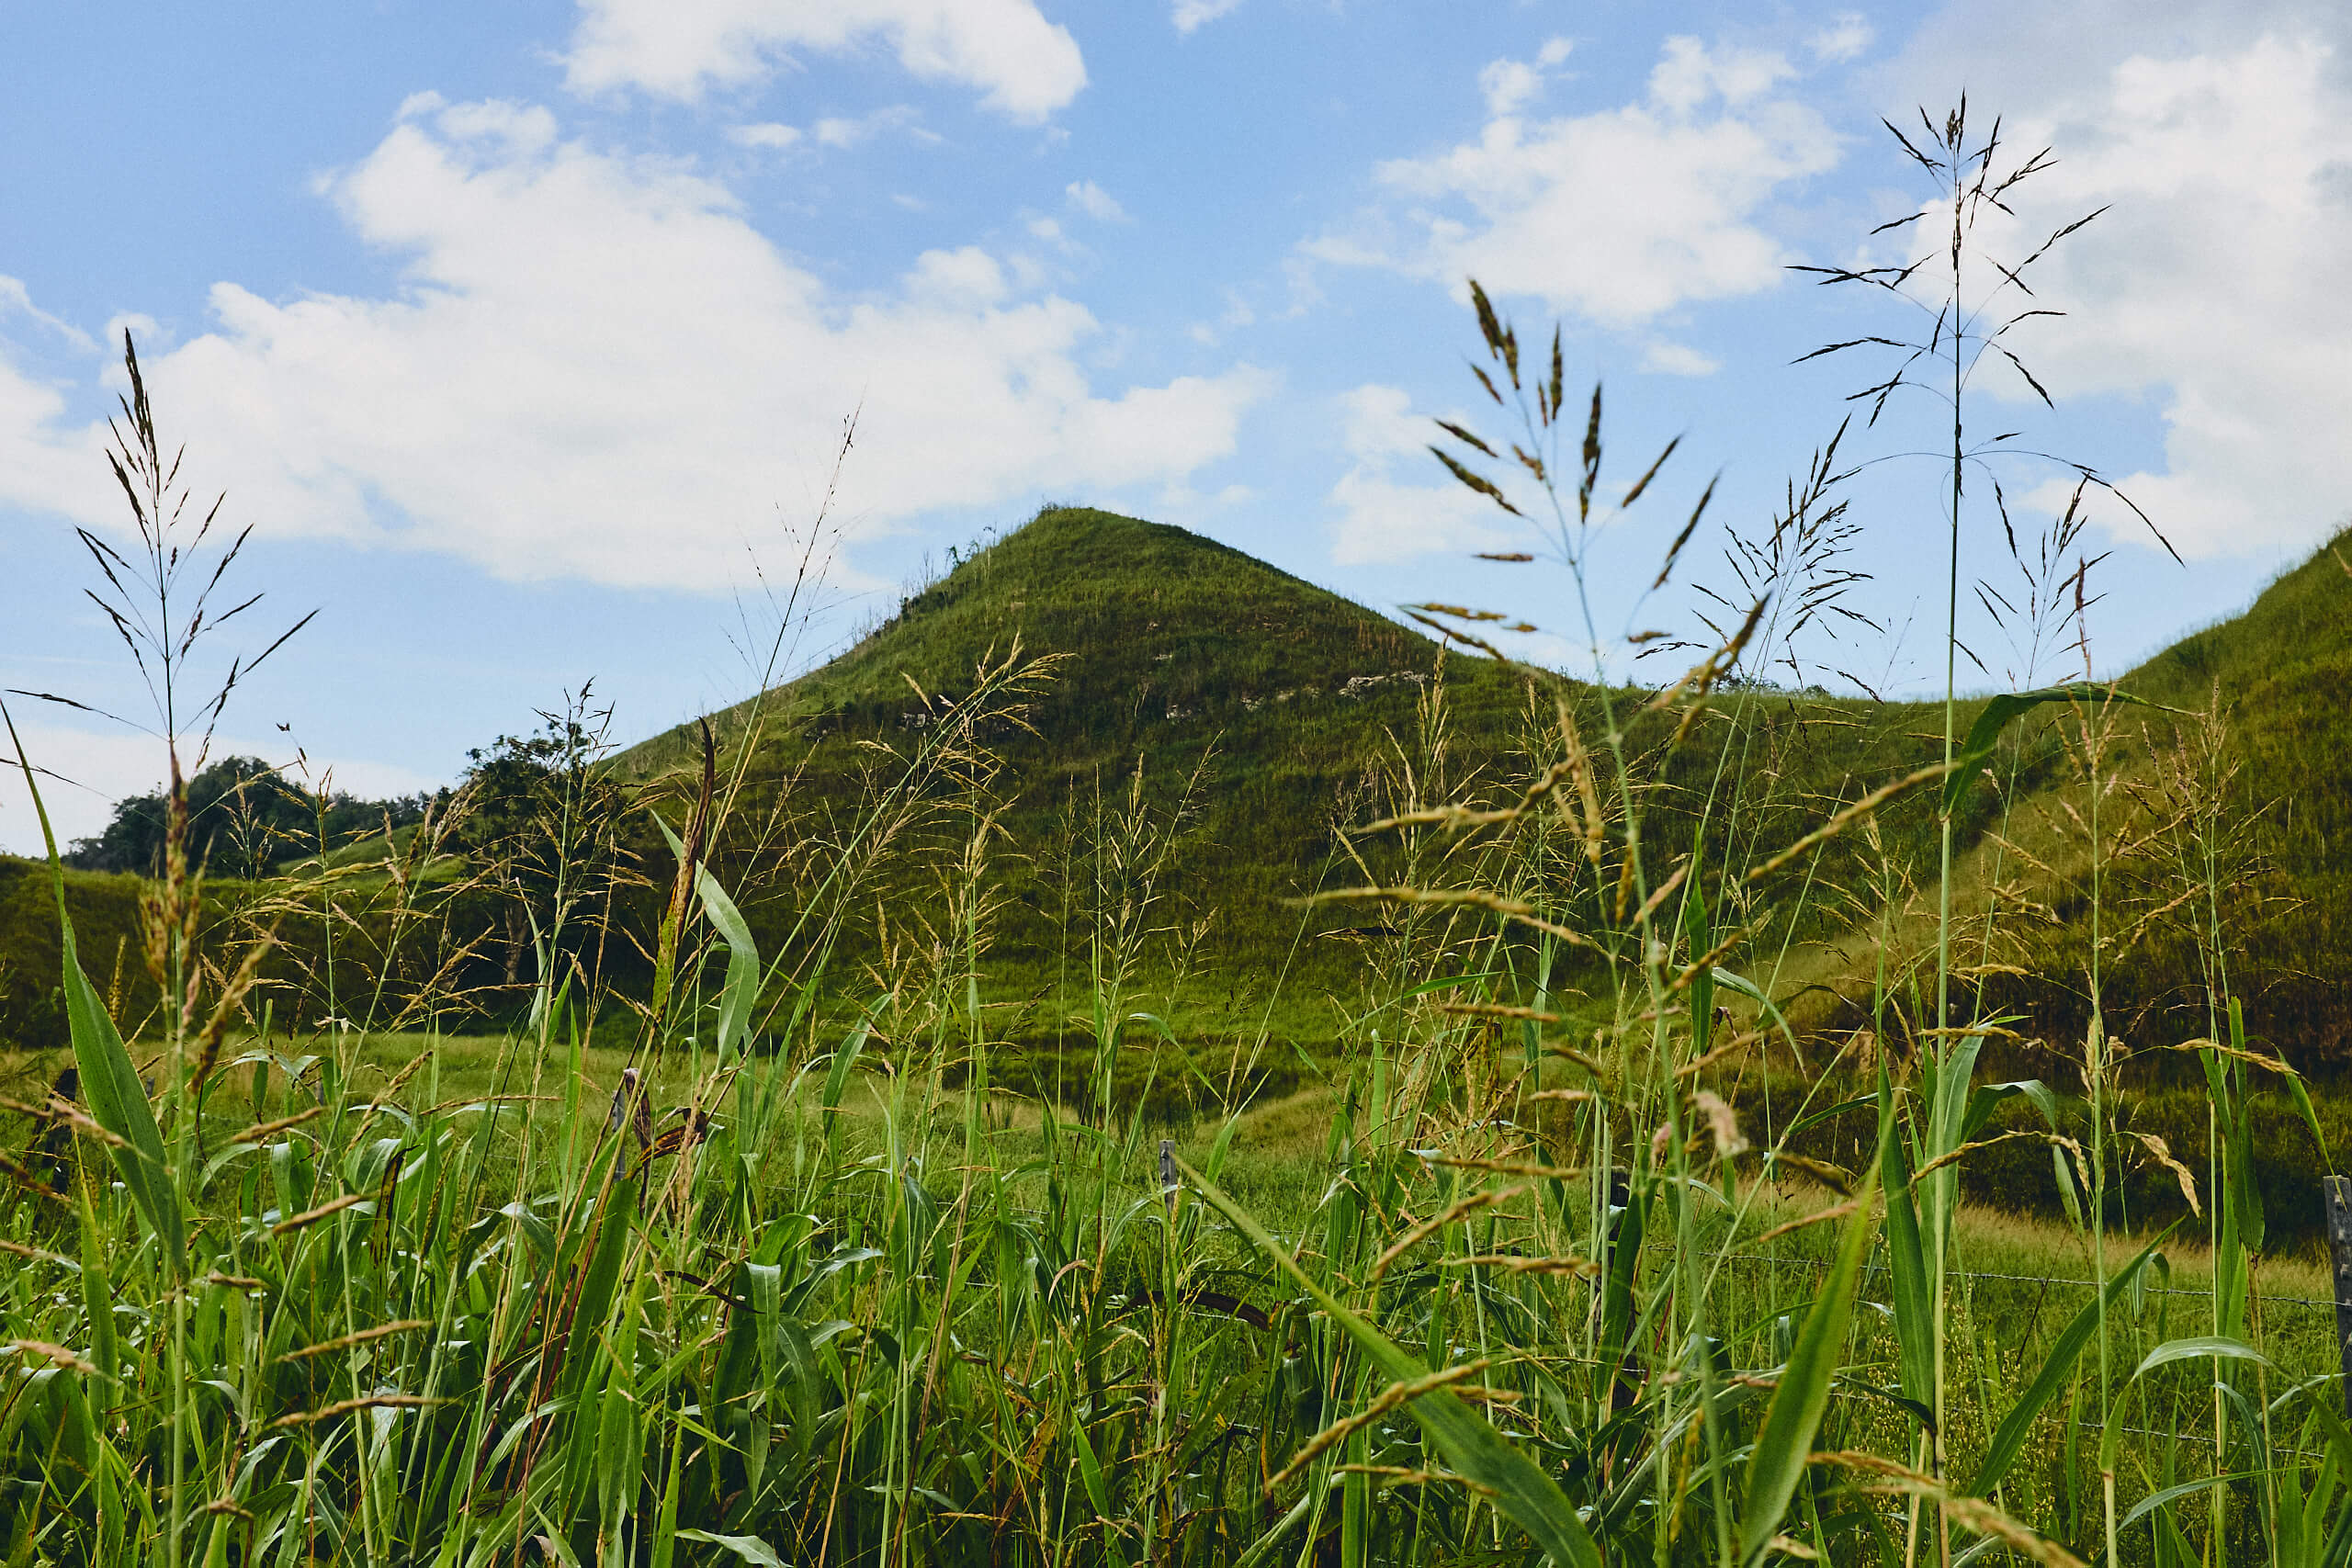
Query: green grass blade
[1777,1464]
[747,1548]
[2008,1439]
[741,989]
[110,1083]
[2197,1349]
[1913,1300]
[1986,733]
[2155,1500]
[1523,1492]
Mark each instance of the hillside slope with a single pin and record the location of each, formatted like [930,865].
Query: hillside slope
[1297,711]
[1257,707]
[1156,798]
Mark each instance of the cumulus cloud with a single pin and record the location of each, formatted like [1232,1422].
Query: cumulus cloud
[767,134]
[1095,202]
[1664,358]
[43,462]
[1382,517]
[1617,215]
[844,132]
[596,367]
[1191,14]
[1024,66]
[1509,86]
[2212,285]
[1846,37]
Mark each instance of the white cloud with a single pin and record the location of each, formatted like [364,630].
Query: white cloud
[86,771]
[1095,202]
[843,134]
[1239,313]
[1617,215]
[14,301]
[1509,86]
[2212,284]
[1025,66]
[1689,75]
[1383,518]
[1191,14]
[1678,359]
[42,463]
[1846,37]
[768,134]
[595,367]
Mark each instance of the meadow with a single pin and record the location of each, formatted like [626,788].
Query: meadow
[1323,1096]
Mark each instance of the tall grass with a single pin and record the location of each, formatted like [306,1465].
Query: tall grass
[1576,1249]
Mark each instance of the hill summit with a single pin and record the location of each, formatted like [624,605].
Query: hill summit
[1155,626]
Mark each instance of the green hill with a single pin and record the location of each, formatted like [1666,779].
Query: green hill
[1155,788]
[1257,709]
[1296,710]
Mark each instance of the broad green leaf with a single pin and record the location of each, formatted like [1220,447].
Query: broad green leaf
[2197,1350]
[1448,983]
[1617,1288]
[1777,1463]
[844,1059]
[1523,1493]
[1090,1470]
[750,1548]
[2008,1439]
[1913,1300]
[1755,993]
[1223,1145]
[2200,1348]
[601,1275]
[2155,1500]
[1986,733]
[741,989]
[1986,1099]
[110,1083]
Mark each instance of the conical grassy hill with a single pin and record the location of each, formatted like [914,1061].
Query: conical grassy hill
[1296,710]
[1258,708]
[1168,641]
[1262,713]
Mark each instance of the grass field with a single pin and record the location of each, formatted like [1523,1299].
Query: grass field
[1227,1086]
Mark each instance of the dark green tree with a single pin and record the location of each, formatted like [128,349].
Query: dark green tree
[541,821]
[243,817]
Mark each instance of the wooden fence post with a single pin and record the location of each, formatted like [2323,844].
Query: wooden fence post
[2339,1250]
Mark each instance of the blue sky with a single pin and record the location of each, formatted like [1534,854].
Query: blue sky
[524,336]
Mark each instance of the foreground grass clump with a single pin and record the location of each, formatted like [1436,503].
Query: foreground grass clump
[422,1324]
